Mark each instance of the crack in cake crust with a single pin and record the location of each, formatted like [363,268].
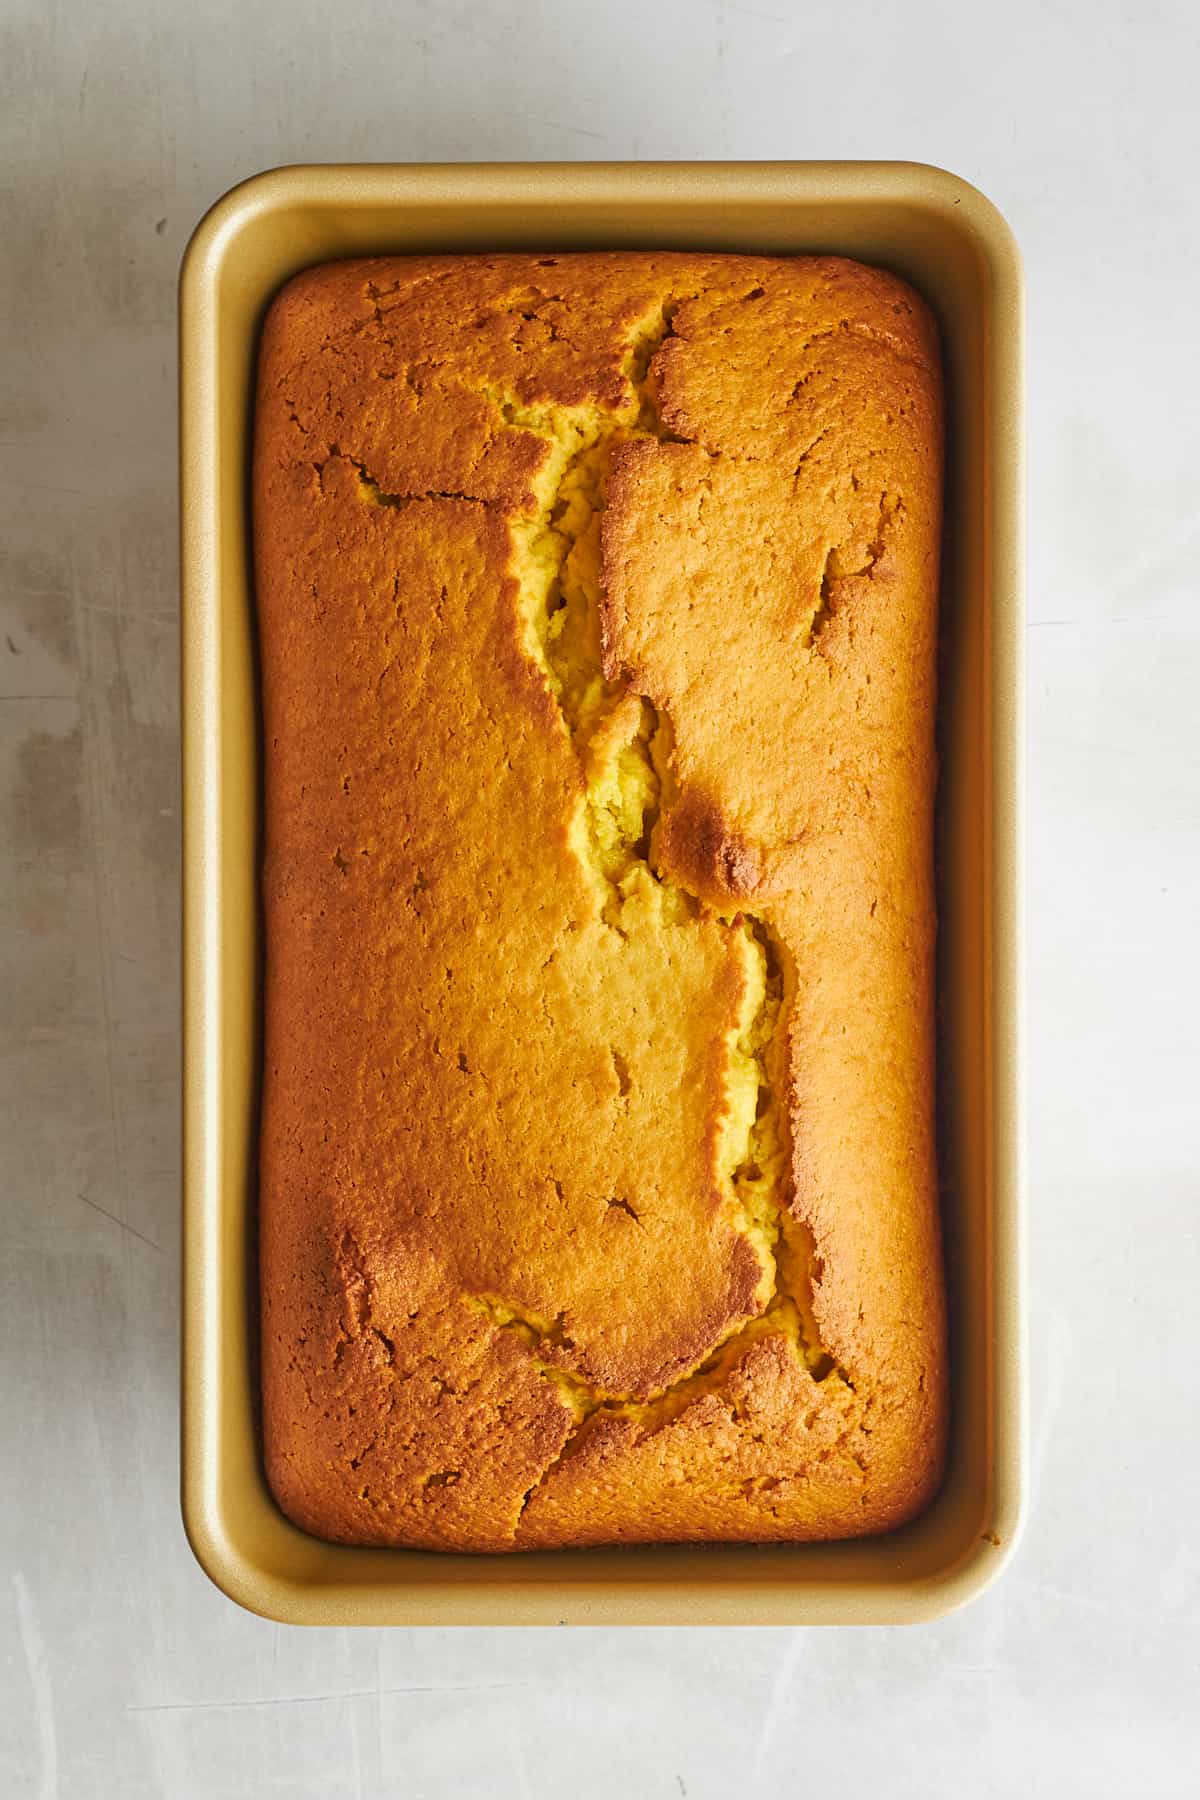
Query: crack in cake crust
[613,834]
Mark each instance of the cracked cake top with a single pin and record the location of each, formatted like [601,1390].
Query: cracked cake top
[597,599]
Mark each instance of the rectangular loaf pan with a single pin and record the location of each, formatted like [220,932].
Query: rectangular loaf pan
[952,244]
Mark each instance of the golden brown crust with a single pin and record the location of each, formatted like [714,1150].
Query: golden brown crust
[597,599]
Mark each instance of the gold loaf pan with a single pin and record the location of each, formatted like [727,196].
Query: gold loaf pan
[945,238]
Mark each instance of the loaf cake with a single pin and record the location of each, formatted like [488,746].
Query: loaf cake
[597,599]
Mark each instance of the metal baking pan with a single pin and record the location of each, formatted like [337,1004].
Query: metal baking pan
[952,244]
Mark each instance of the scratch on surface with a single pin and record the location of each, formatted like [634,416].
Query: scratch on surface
[371,1693]
[43,487]
[778,1700]
[37,1667]
[1072,1599]
[750,12]
[359,1790]
[98,842]
[1050,1390]
[105,1214]
[599,137]
[376,1695]
[518,1757]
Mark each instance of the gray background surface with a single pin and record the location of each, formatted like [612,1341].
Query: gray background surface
[125,1673]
